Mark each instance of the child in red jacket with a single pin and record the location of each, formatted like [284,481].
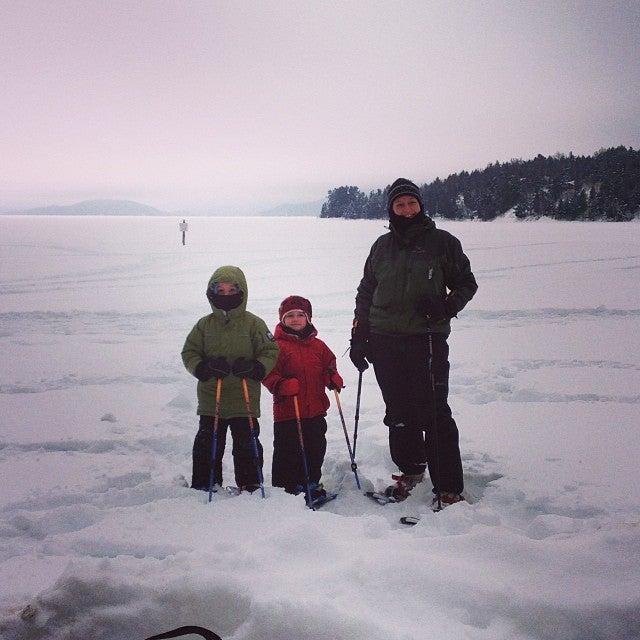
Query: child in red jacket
[305,368]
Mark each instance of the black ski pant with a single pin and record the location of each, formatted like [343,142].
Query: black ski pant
[401,365]
[288,467]
[244,460]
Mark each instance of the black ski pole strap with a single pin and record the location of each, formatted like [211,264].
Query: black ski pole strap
[185,631]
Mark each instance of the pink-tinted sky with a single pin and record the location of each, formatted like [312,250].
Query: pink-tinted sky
[244,105]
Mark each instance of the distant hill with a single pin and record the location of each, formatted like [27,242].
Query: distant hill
[97,208]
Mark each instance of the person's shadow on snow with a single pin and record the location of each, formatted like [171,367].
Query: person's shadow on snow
[185,631]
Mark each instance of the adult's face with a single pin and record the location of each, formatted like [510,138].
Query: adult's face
[406,206]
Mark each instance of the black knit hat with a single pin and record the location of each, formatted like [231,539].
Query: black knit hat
[403,187]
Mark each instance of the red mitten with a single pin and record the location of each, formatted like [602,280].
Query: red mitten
[335,381]
[288,387]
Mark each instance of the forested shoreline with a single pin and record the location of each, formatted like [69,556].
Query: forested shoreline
[604,186]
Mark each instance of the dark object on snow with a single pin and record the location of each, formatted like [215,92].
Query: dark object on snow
[183,226]
[185,631]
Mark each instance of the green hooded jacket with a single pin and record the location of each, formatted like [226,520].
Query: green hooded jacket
[402,270]
[237,333]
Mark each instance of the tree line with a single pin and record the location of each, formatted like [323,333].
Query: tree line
[604,186]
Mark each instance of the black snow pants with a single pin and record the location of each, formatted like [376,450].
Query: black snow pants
[288,468]
[401,365]
[244,462]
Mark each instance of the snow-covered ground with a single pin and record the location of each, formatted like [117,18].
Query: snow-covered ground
[97,417]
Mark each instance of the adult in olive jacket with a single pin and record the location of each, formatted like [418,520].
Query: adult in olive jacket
[230,344]
[416,278]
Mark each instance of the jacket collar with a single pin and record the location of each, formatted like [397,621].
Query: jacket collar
[281,334]
[413,232]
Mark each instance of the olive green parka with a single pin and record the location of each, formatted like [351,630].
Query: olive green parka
[405,268]
[237,333]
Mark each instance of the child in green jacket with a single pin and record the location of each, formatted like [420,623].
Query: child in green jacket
[230,344]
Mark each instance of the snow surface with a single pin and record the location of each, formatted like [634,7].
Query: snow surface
[98,539]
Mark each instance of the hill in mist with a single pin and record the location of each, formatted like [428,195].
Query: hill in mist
[98,208]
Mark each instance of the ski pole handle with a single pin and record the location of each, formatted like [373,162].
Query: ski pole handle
[218,396]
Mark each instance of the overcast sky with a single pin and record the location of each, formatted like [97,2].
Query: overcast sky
[251,104]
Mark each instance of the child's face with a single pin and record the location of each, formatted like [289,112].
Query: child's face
[295,320]
[226,289]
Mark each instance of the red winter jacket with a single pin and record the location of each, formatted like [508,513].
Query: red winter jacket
[313,364]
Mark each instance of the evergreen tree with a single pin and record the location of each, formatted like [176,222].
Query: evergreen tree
[344,202]
[605,186]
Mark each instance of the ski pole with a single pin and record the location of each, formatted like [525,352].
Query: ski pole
[357,416]
[434,422]
[354,466]
[302,451]
[254,439]
[214,439]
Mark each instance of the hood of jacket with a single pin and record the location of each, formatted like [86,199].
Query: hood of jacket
[229,273]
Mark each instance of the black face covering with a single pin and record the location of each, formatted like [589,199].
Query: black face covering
[400,223]
[226,303]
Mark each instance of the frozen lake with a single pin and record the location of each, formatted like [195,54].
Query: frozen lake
[98,418]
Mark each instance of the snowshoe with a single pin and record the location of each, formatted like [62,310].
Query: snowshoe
[401,489]
[380,498]
[322,500]
[446,499]
[317,493]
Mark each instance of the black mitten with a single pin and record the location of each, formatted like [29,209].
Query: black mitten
[435,309]
[212,368]
[359,342]
[243,368]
